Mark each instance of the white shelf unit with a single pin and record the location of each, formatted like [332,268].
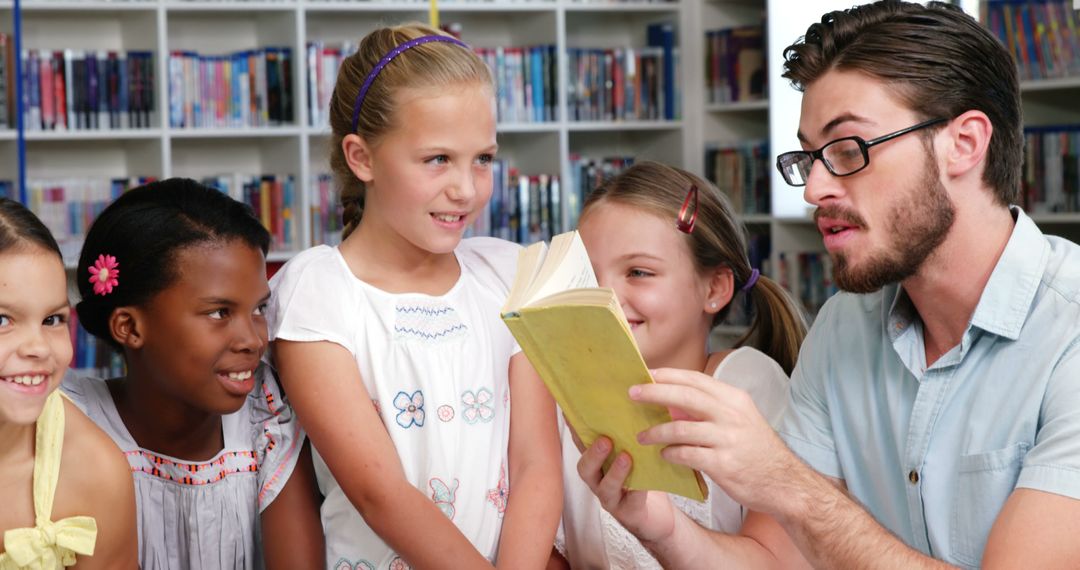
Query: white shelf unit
[219,27]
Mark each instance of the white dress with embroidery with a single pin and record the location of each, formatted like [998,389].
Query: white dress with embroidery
[437,370]
[205,514]
[590,538]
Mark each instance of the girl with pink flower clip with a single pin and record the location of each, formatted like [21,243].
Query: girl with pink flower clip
[56,512]
[390,345]
[222,473]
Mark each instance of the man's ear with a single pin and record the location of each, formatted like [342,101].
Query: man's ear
[126,324]
[721,289]
[968,143]
[358,157]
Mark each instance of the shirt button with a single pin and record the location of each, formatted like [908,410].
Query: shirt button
[913,476]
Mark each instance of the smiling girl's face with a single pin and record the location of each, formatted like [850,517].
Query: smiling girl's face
[35,344]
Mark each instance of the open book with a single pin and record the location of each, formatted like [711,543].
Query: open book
[576,336]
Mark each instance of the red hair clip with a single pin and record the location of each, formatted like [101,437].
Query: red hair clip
[688,214]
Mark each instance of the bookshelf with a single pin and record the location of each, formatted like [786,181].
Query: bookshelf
[298,149]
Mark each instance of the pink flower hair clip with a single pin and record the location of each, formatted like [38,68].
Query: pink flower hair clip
[103,274]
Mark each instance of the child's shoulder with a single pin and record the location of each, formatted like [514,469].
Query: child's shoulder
[490,256]
[94,475]
[320,266]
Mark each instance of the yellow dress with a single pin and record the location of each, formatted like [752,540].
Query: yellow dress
[48,545]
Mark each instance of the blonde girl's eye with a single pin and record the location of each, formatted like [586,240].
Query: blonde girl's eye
[5,321]
[438,160]
[638,273]
[485,159]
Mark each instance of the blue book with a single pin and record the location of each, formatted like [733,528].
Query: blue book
[537,69]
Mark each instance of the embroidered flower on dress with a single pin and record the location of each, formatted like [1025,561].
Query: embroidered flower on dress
[104,273]
[412,409]
[399,564]
[500,494]
[344,564]
[477,406]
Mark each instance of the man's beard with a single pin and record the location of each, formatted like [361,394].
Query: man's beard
[917,225]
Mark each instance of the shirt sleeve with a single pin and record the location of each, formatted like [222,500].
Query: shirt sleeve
[495,262]
[1053,464]
[309,300]
[806,427]
[276,433]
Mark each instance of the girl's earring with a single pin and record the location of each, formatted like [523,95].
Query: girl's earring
[712,305]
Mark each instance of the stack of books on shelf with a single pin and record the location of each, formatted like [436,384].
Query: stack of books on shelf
[526,79]
[1051,174]
[67,206]
[626,84]
[7,83]
[523,208]
[272,197]
[815,283]
[585,175]
[735,65]
[742,172]
[323,61]
[87,89]
[91,356]
[326,210]
[7,189]
[250,88]
[1042,35]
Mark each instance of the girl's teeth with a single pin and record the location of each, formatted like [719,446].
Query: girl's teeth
[445,218]
[240,375]
[26,380]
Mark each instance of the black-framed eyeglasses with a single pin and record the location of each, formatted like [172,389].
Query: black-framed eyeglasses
[842,157]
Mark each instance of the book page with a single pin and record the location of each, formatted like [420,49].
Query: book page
[567,266]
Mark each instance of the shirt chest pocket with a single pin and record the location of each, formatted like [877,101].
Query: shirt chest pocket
[984,482]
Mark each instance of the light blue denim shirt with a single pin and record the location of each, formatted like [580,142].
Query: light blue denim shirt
[934,452]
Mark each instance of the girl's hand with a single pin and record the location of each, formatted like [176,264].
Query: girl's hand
[648,515]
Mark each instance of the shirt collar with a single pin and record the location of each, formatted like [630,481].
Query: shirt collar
[1006,300]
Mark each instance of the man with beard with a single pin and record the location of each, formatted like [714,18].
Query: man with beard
[936,402]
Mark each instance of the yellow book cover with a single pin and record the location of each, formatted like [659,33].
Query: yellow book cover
[576,336]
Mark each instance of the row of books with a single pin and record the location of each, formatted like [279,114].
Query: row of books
[91,356]
[622,84]
[272,197]
[1051,175]
[326,210]
[523,208]
[87,89]
[7,85]
[67,206]
[735,64]
[742,172]
[814,274]
[1042,35]
[586,174]
[527,82]
[250,88]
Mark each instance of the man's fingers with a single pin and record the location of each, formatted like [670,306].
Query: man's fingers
[701,434]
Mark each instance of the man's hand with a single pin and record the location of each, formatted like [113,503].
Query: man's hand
[719,431]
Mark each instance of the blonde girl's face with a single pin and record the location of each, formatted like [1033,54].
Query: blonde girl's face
[646,260]
[35,345]
[431,175]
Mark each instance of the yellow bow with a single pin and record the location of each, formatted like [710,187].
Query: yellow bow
[50,544]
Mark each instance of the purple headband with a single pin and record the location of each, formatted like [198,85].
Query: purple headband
[750,282]
[385,60]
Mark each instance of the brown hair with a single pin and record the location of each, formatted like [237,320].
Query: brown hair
[434,64]
[940,62]
[717,240]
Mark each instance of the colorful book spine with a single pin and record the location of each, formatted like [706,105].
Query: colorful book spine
[743,173]
[1040,34]
[242,89]
[272,198]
